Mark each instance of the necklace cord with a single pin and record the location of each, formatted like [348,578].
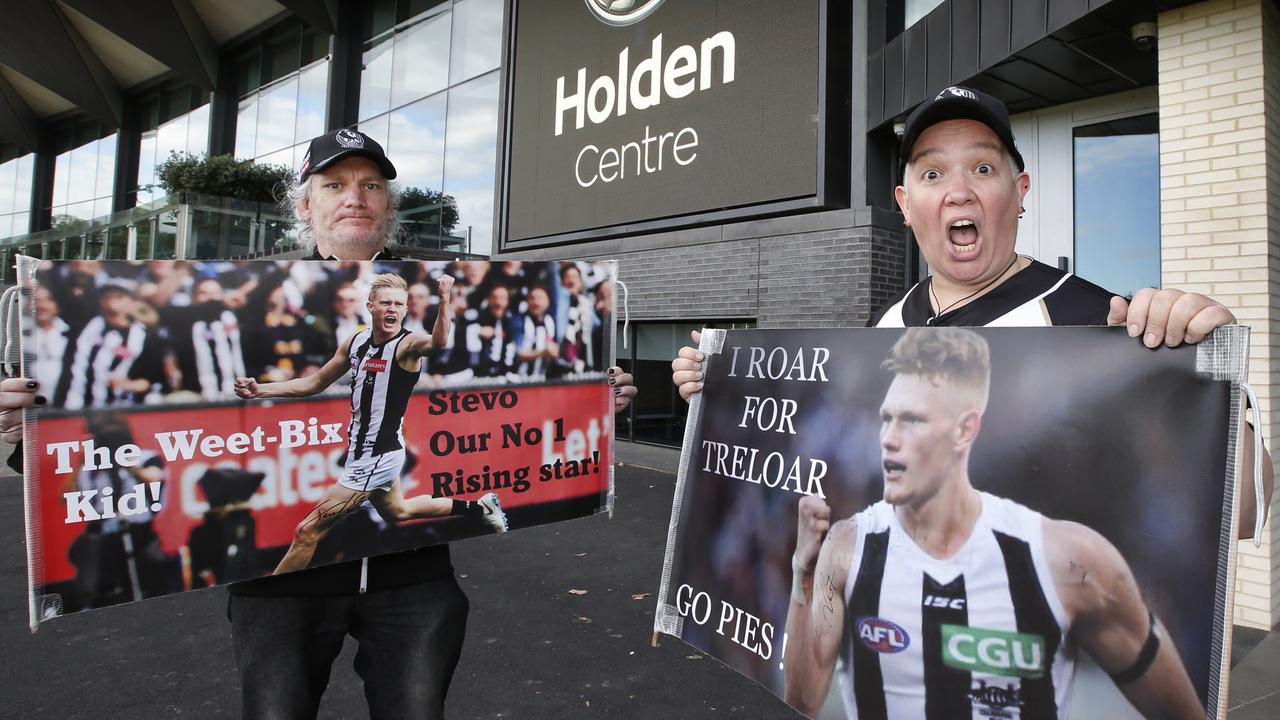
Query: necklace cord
[933,294]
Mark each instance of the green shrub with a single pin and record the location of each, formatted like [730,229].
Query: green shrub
[412,198]
[222,175]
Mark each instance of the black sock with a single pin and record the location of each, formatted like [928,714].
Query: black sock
[466,507]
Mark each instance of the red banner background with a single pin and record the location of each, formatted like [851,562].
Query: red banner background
[472,431]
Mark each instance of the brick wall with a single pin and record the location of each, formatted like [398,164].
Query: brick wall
[822,270]
[1220,207]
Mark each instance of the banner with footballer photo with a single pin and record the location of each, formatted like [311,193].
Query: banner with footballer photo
[211,422]
[948,522]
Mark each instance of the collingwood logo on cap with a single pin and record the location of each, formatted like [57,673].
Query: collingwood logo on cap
[349,139]
[957,92]
[622,12]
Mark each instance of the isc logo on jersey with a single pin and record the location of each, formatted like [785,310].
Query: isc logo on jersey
[993,652]
[883,636]
[375,365]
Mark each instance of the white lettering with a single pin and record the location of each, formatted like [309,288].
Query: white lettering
[642,88]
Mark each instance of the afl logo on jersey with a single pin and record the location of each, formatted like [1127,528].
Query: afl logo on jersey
[883,636]
[375,365]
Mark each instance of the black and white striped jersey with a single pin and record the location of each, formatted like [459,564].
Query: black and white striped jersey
[1036,296]
[380,391]
[101,353]
[981,634]
[535,335]
[494,356]
[206,342]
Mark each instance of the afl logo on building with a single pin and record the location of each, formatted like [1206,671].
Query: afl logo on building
[622,12]
[881,635]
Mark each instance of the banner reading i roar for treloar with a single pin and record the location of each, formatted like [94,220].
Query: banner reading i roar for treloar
[212,422]
[963,523]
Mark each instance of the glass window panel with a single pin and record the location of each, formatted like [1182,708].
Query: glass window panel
[477,38]
[300,150]
[142,248]
[248,75]
[74,211]
[147,161]
[375,79]
[82,173]
[61,169]
[416,143]
[6,226]
[164,242]
[176,103]
[21,223]
[380,18]
[470,154]
[198,130]
[149,113]
[279,157]
[410,9]
[22,194]
[1117,204]
[117,243]
[283,57]
[171,137]
[101,207]
[421,65]
[277,111]
[660,417]
[314,46]
[8,186]
[376,128]
[93,243]
[247,128]
[106,167]
[313,86]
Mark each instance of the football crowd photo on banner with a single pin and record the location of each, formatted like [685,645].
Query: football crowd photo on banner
[948,522]
[212,422]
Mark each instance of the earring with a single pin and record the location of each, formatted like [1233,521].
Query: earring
[1022,211]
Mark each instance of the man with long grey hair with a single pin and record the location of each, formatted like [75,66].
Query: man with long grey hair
[405,609]
[342,209]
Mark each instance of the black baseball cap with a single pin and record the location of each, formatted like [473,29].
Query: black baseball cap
[959,103]
[339,145]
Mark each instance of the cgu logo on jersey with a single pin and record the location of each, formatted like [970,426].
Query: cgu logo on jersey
[883,636]
[619,13]
[993,652]
[375,365]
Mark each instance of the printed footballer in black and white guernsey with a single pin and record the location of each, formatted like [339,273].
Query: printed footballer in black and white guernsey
[383,362]
[983,632]
[380,390]
[941,601]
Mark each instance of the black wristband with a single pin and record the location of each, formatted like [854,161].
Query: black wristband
[1145,658]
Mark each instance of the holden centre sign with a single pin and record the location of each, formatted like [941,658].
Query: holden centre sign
[630,116]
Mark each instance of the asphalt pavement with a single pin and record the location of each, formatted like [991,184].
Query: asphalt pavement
[560,627]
